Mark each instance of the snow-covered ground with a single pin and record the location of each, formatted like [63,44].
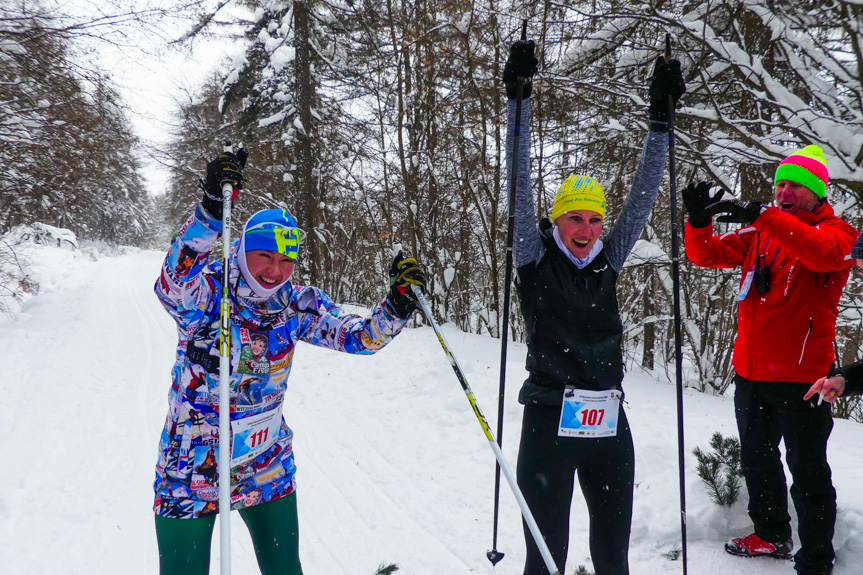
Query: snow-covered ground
[393,467]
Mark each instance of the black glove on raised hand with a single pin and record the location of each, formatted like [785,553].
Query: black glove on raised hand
[227,167]
[667,81]
[696,198]
[520,64]
[735,211]
[404,273]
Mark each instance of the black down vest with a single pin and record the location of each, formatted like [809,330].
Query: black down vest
[573,325]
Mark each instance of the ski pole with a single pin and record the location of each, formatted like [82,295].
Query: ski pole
[225,384]
[525,510]
[494,555]
[678,338]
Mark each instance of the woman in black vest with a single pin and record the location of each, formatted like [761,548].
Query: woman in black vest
[567,273]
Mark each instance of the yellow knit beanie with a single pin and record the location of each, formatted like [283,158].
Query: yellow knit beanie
[578,193]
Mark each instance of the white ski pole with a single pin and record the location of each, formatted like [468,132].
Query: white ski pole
[225,384]
[507,472]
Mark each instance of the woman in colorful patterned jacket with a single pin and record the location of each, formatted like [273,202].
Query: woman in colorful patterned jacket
[269,315]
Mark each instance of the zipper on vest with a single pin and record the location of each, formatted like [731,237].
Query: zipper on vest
[805,339]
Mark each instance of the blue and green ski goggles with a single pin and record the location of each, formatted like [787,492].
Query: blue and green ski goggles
[274,230]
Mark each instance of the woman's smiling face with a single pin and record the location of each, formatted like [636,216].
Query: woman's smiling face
[579,230]
[269,268]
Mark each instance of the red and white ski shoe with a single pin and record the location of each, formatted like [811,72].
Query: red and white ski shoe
[755,546]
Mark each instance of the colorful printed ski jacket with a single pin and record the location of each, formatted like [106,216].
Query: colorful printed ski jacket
[264,334]
[787,333]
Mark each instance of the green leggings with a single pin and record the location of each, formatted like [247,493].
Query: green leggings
[184,544]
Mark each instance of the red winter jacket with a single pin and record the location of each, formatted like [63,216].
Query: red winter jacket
[787,333]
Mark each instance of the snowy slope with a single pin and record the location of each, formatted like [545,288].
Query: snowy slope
[393,467]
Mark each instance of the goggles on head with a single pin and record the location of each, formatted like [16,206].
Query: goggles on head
[274,237]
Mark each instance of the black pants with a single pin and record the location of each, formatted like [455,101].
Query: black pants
[546,467]
[767,411]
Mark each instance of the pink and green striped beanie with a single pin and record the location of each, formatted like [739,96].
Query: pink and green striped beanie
[806,167]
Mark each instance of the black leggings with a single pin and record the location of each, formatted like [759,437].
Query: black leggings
[605,467]
[184,544]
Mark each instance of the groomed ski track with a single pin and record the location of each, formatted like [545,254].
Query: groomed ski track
[393,467]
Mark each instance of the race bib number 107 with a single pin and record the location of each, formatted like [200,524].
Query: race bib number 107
[589,414]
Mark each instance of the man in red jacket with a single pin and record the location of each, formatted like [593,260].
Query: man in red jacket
[793,256]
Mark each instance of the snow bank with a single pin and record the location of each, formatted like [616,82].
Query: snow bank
[34,259]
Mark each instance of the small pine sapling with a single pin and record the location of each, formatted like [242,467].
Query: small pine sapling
[582,570]
[387,569]
[720,471]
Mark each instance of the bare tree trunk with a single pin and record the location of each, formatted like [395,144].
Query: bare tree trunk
[305,180]
[649,339]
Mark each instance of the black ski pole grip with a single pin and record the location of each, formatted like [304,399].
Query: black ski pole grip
[521,79]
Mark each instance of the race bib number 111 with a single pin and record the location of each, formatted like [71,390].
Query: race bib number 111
[589,414]
[254,435]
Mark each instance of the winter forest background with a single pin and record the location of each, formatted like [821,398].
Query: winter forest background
[377,122]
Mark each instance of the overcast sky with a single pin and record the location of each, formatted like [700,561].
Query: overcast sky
[149,72]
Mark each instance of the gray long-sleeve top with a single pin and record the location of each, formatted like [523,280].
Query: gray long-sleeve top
[621,237]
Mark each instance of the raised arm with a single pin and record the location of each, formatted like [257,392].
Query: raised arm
[181,288]
[636,208]
[822,248]
[527,247]
[666,87]
[526,244]
[325,324]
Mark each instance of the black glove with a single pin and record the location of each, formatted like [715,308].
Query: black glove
[667,81]
[736,211]
[520,64]
[696,197]
[227,167]
[404,273]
